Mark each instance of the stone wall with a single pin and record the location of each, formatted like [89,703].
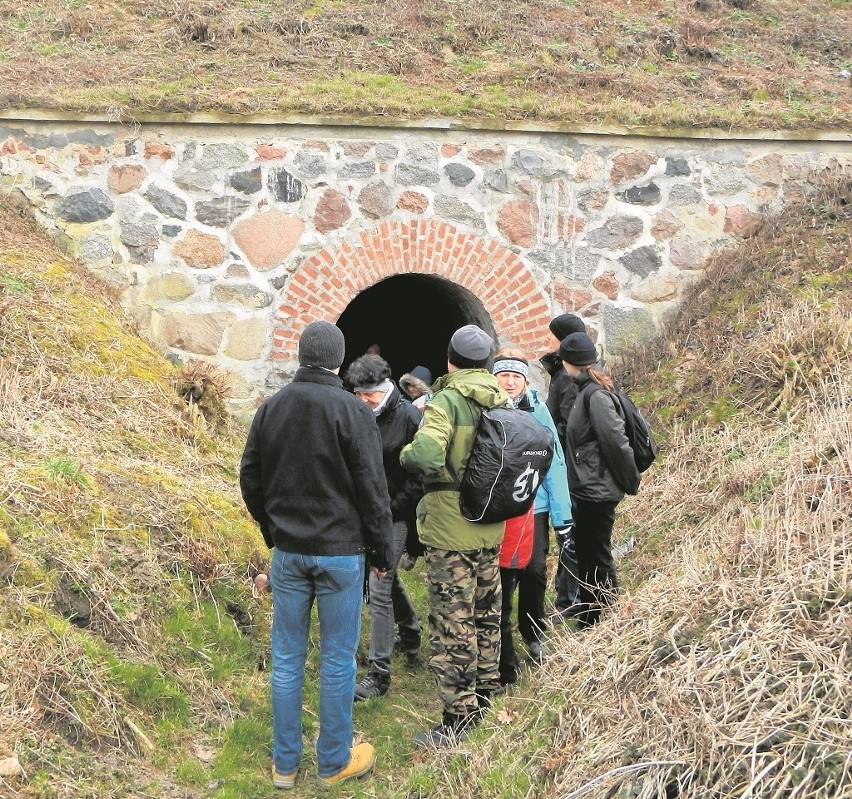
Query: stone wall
[226,240]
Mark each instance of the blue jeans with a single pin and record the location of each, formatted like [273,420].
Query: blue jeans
[337,583]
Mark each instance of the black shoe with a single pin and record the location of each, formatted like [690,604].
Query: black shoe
[505,681]
[409,646]
[449,732]
[483,697]
[372,686]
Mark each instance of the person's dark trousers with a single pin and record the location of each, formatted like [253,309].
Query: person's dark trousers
[389,604]
[596,568]
[509,664]
[566,583]
[533,582]
[404,616]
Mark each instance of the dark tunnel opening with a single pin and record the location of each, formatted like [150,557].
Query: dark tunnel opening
[410,318]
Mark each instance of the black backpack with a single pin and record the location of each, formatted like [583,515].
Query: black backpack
[636,428]
[511,453]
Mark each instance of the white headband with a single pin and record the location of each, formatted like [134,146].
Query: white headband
[384,387]
[511,365]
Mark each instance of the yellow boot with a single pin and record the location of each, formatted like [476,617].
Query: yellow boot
[285,781]
[361,762]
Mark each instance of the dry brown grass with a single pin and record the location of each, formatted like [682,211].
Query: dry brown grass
[724,670]
[742,63]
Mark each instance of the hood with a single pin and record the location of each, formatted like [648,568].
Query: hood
[408,380]
[476,384]
[551,362]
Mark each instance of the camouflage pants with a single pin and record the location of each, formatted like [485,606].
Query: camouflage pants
[464,624]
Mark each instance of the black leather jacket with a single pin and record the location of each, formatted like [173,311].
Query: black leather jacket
[600,461]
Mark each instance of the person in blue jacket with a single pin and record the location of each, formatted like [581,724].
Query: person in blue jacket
[552,501]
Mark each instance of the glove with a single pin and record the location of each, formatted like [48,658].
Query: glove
[564,534]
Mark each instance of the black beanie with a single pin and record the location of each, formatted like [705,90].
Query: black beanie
[566,324]
[578,350]
[422,373]
[322,344]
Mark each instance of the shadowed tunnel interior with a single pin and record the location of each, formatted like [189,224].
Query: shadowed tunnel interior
[411,319]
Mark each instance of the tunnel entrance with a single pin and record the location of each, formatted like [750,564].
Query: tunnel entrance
[410,318]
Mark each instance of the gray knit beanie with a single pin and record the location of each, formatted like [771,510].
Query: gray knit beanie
[470,347]
[322,344]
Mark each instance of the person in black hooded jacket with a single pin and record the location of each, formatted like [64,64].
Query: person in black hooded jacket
[601,470]
[370,378]
[560,399]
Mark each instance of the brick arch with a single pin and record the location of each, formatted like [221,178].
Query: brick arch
[324,284]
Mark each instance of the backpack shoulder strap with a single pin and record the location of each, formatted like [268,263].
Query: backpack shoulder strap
[587,392]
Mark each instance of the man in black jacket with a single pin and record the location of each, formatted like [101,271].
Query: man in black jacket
[312,477]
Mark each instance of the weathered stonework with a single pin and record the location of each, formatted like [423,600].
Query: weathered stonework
[228,240]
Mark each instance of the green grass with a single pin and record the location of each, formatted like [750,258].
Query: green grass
[10,284]
[360,58]
[208,639]
[151,692]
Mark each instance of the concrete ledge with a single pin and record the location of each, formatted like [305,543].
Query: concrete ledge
[830,135]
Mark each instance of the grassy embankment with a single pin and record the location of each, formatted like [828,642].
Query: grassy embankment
[133,651]
[743,64]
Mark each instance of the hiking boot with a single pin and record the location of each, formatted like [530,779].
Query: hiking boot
[372,686]
[452,729]
[538,651]
[284,781]
[361,762]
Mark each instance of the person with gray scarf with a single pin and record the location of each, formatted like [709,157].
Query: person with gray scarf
[369,377]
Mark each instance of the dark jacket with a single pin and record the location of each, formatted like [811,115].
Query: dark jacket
[312,475]
[398,422]
[600,461]
[560,394]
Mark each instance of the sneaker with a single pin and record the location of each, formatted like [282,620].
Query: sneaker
[372,686]
[361,762]
[538,651]
[284,781]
